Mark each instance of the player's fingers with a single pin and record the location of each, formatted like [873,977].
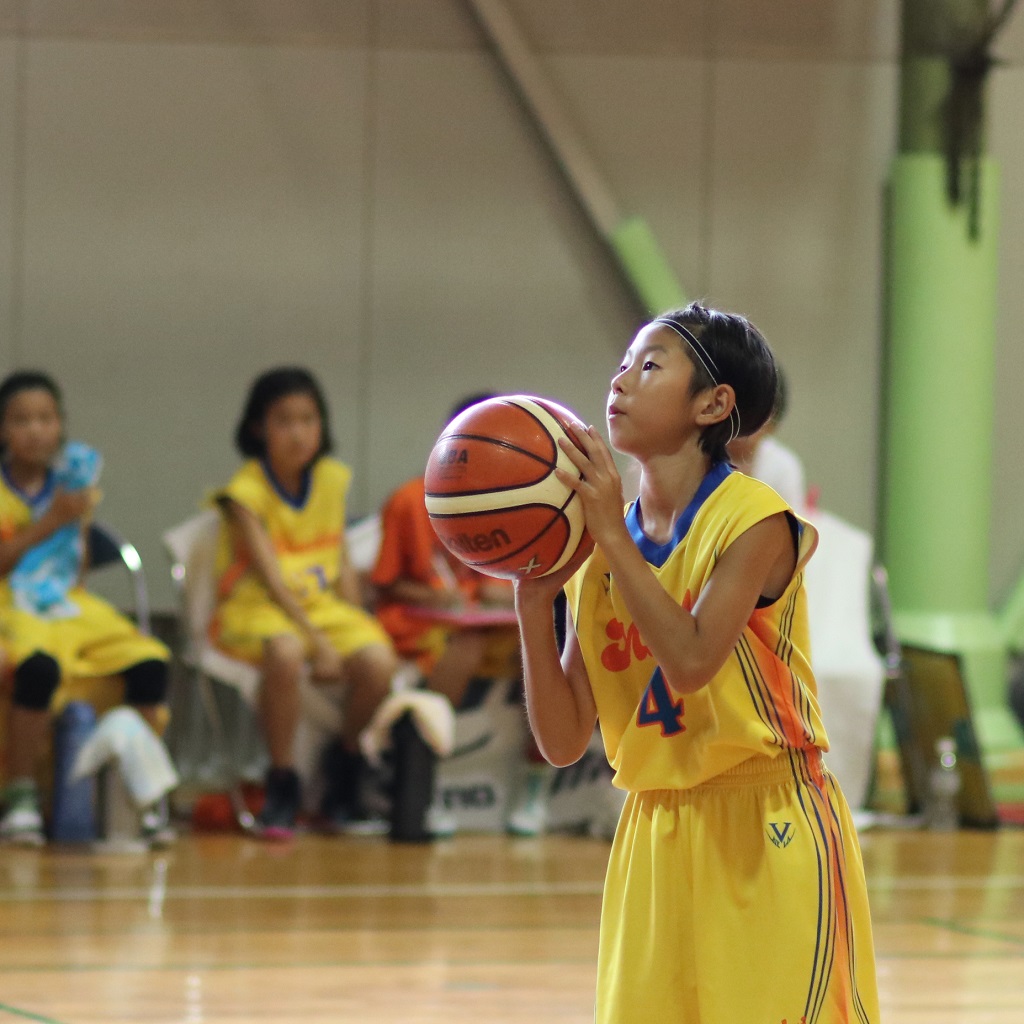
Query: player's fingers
[598,451]
[571,480]
[579,459]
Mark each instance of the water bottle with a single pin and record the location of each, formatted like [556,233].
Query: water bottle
[944,784]
[74,810]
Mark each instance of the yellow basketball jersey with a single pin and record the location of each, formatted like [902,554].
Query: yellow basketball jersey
[16,512]
[763,701]
[305,532]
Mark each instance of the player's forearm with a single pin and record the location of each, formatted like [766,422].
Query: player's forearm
[668,630]
[347,586]
[561,715]
[283,597]
[29,536]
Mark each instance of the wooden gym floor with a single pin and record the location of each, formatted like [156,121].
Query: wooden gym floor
[222,928]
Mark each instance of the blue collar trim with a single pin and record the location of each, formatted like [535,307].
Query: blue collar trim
[34,501]
[657,554]
[296,501]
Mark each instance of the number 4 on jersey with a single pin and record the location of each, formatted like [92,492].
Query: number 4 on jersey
[657,707]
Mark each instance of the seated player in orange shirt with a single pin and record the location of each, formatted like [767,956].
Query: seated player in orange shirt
[414,574]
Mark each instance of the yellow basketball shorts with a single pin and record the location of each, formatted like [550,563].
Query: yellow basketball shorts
[741,901]
[98,641]
[240,628]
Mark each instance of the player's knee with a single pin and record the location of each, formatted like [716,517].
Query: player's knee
[145,684]
[35,681]
[373,666]
[284,655]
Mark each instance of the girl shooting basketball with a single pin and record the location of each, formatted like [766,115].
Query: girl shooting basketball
[687,638]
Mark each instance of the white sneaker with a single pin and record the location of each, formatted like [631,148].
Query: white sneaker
[156,829]
[22,824]
[441,823]
[530,816]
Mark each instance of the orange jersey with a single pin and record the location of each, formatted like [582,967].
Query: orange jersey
[410,550]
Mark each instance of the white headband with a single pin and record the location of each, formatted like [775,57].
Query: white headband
[710,369]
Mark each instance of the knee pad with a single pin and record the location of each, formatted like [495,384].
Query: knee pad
[145,683]
[35,682]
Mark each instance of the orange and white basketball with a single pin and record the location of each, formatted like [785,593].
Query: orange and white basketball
[491,490]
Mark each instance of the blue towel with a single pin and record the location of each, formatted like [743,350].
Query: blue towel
[45,573]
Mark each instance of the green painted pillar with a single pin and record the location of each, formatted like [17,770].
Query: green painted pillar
[937,450]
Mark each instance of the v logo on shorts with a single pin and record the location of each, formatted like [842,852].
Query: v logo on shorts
[783,836]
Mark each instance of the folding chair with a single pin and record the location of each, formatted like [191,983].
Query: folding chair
[898,698]
[104,548]
[192,549]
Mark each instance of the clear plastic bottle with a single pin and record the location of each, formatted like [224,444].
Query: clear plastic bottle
[944,785]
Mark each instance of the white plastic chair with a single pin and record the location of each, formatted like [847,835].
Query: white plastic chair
[192,548]
[848,667]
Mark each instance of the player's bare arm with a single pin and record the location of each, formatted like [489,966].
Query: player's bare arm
[559,701]
[692,646]
[348,586]
[65,508]
[689,647]
[248,529]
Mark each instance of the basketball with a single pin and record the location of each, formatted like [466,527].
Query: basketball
[491,491]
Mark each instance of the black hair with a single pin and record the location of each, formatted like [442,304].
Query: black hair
[28,380]
[467,401]
[781,395]
[743,360]
[266,389]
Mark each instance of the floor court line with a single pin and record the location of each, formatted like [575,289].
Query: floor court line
[440,890]
[276,892]
[15,1011]
[981,933]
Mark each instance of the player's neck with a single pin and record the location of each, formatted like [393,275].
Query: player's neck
[28,477]
[667,485]
[290,478]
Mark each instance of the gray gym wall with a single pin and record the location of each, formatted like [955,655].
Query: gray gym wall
[193,191]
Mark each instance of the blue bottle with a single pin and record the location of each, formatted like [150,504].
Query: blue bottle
[74,803]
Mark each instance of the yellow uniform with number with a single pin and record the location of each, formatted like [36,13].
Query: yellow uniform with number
[306,533]
[99,641]
[735,891]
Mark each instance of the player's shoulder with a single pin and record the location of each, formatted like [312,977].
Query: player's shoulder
[7,491]
[248,486]
[11,502]
[740,489]
[331,469]
[737,504]
[412,490]
[250,471]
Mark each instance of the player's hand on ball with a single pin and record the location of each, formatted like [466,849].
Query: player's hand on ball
[546,588]
[599,485]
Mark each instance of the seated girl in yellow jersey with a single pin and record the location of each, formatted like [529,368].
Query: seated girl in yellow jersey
[52,628]
[288,595]
[735,890]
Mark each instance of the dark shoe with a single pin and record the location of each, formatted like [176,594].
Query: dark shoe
[280,805]
[346,807]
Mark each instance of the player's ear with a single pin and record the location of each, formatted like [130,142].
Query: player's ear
[718,403]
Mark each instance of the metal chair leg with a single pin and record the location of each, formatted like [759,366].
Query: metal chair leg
[243,815]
